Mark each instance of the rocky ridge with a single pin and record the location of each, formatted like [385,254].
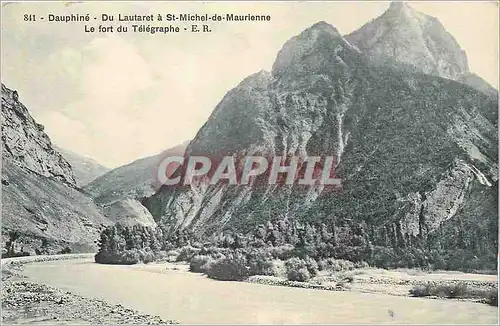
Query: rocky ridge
[26,144]
[135,180]
[84,168]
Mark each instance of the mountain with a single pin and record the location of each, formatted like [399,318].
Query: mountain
[416,155]
[409,38]
[128,212]
[414,41]
[43,211]
[135,180]
[26,144]
[84,168]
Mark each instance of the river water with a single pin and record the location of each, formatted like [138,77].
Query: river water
[194,299]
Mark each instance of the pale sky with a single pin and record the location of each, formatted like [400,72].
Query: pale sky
[120,97]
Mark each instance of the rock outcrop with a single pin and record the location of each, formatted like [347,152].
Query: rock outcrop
[26,144]
[43,212]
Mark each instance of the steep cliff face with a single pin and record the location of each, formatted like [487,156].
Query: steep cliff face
[26,144]
[409,147]
[43,212]
[44,216]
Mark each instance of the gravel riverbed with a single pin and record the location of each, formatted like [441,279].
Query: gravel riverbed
[28,302]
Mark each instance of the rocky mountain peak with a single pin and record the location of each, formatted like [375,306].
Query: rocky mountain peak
[401,14]
[323,27]
[318,50]
[412,40]
[399,7]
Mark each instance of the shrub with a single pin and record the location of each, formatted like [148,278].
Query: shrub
[214,252]
[322,265]
[492,299]
[456,290]
[146,256]
[66,250]
[420,291]
[261,263]
[282,252]
[172,255]
[312,266]
[279,268]
[187,252]
[230,268]
[301,275]
[451,291]
[296,270]
[200,264]
[103,257]
[127,257]
[361,264]
[336,265]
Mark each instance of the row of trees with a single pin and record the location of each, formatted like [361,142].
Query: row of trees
[289,238]
[120,244]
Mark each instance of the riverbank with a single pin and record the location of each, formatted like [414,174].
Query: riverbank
[24,301]
[11,268]
[27,302]
[395,283]
[398,282]
[171,292]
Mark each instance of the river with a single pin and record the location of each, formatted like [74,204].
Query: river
[194,299]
